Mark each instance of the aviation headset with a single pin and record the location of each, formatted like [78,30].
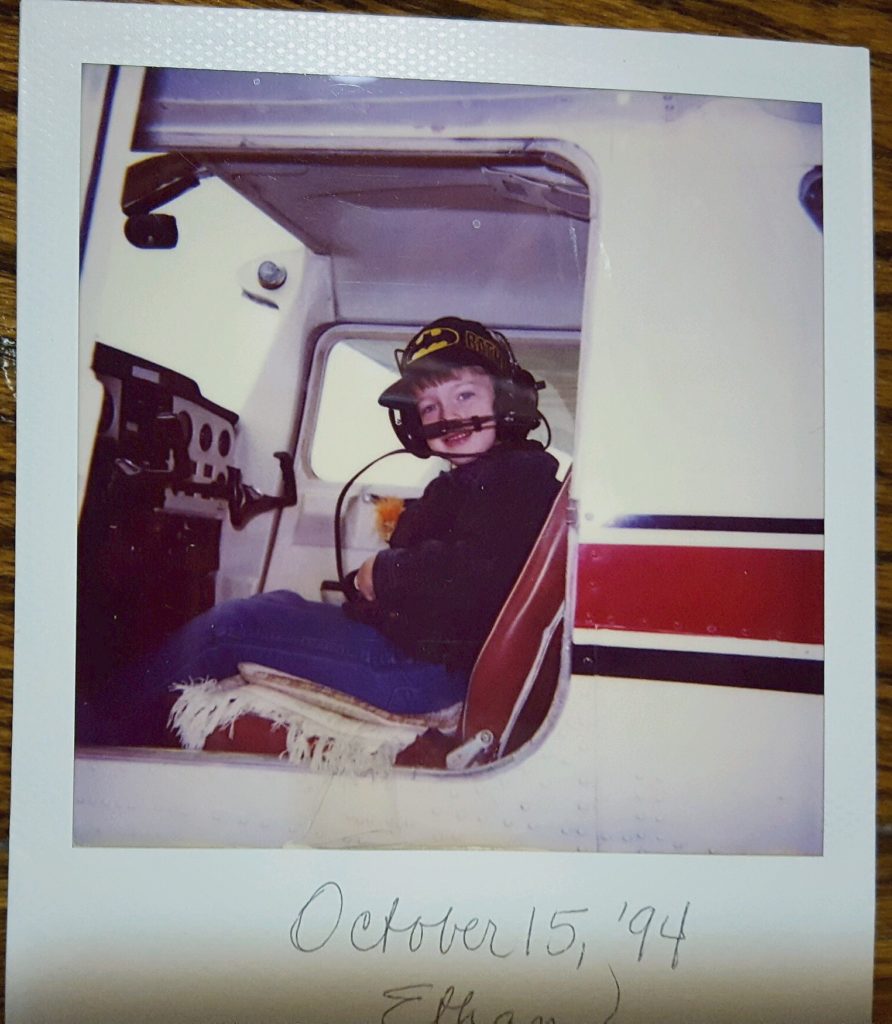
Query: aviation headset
[452,342]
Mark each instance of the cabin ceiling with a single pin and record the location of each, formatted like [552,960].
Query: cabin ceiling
[411,231]
[427,234]
[340,205]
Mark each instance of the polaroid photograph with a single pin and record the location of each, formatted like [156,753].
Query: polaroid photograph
[459,562]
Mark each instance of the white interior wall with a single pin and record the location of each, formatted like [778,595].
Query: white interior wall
[268,416]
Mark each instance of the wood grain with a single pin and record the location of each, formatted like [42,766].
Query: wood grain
[865,23]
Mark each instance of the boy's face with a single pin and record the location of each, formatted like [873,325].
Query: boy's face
[468,392]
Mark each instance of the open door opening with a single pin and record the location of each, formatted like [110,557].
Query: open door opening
[387,234]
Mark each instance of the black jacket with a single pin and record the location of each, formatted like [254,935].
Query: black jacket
[456,552]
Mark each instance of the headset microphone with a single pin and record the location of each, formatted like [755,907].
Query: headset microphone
[444,428]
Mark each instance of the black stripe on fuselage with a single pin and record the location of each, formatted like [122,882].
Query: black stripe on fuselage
[725,524]
[754,672]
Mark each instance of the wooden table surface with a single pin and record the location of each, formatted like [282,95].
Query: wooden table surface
[865,23]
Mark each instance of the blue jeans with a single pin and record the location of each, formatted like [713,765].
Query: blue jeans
[280,630]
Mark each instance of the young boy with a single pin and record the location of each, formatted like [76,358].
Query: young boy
[419,610]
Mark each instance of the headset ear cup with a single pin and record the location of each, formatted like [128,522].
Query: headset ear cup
[527,393]
[517,401]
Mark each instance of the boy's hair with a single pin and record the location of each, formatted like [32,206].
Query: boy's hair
[439,373]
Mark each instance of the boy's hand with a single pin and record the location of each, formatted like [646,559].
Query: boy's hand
[364,581]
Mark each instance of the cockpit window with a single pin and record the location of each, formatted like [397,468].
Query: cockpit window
[352,429]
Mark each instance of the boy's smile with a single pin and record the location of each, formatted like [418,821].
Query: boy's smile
[467,393]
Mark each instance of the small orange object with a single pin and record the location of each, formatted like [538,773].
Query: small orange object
[387,513]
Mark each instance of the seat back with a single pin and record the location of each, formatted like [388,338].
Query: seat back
[516,671]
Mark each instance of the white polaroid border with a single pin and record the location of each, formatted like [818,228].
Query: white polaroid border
[103,934]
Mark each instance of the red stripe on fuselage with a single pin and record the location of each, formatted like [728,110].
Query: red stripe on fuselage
[762,594]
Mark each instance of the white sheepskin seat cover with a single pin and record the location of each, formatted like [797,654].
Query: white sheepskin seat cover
[324,729]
